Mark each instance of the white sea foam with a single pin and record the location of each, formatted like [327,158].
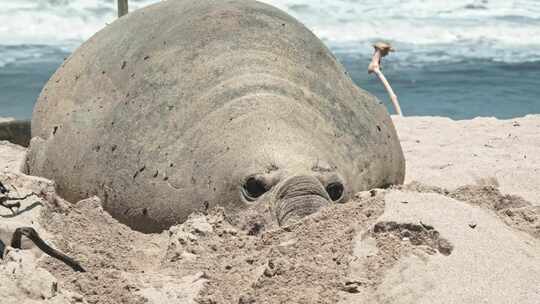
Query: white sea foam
[423,31]
[55,22]
[500,30]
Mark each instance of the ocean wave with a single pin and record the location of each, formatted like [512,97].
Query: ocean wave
[422,31]
[62,23]
[27,54]
[427,31]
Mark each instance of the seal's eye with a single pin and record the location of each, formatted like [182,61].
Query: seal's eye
[335,191]
[254,188]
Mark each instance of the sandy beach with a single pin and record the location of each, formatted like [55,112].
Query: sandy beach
[245,152]
[465,228]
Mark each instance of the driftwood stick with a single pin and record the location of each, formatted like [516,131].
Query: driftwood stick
[31,234]
[382,49]
[16,131]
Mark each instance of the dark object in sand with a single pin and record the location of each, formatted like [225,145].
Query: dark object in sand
[4,199]
[31,234]
[3,189]
[16,131]
[4,202]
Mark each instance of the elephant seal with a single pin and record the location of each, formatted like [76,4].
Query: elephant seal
[190,104]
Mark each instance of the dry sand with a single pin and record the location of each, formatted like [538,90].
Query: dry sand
[482,151]
[464,229]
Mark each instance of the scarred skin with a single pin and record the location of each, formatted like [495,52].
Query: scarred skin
[173,108]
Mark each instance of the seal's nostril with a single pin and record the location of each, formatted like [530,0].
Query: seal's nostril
[335,191]
[301,185]
[299,196]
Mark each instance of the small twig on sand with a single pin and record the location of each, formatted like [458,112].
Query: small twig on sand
[31,234]
[382,49]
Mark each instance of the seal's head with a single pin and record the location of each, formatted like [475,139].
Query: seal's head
[293,182]
[276,154]
[297,179]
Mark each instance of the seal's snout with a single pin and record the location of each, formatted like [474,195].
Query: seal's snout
[299,196]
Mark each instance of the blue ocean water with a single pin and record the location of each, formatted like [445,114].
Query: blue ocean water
[461,59]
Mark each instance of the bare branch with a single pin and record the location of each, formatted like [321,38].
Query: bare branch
[382,49]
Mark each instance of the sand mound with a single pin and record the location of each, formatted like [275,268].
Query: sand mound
[467,255]
[234,264]
[398,246]
[512,209]
[387,246]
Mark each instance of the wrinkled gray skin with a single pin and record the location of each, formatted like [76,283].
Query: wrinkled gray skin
[174,107]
